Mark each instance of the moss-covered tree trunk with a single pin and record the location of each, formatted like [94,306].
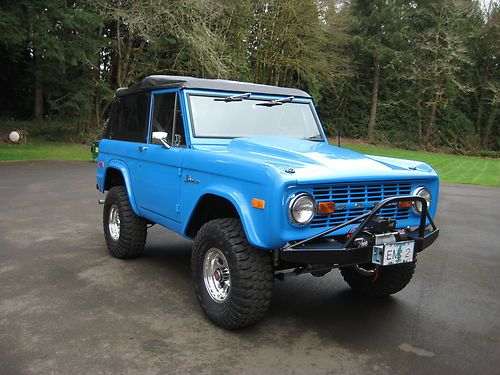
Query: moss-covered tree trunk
[38,98]
[374,102]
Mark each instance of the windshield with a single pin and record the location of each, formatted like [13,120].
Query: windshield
[214,117]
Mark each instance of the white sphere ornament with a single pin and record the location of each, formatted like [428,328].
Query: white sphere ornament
[14,136]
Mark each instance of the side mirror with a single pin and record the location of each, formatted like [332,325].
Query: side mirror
[162,137]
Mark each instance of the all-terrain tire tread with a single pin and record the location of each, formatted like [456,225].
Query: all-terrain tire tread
[251,275]
[133,228]
[390,279]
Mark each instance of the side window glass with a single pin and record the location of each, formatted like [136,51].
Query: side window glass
[179,136]
[163,118]
[167,120]
[112,121]
[130,124]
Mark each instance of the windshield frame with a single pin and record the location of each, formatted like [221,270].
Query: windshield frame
[196,139]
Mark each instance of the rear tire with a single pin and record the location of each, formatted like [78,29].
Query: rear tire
[124,231]
[233,280]
[383,281]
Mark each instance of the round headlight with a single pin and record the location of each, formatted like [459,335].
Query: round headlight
[301,209]
[424,193]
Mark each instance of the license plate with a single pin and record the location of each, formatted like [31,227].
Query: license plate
[393,253]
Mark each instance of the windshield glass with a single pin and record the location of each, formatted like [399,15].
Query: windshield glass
[248,118]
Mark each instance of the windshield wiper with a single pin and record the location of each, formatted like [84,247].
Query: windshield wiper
[313,138]
[233,98]
[272,103]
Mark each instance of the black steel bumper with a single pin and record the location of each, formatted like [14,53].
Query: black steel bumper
[314,251]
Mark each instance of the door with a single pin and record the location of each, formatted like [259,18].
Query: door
[159,167]
[128,129]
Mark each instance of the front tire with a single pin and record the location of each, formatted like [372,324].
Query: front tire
[233,280]
[378,281]
[124,231]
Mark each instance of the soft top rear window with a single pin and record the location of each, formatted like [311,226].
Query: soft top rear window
[129,118]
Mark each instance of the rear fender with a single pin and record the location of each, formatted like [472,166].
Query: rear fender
[122,167]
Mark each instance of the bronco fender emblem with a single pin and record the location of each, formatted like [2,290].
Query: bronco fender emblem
[191,180]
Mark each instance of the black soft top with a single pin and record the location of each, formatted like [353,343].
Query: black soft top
[156,82]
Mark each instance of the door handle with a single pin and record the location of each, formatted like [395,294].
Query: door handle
[142,148]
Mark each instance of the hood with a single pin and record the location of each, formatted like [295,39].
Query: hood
[316,161]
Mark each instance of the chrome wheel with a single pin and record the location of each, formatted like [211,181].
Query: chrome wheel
[114,223]
[216,275]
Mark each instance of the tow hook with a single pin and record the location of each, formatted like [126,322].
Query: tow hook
[315,270]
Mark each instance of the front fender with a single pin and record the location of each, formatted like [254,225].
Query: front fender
[249,216]
[123,168]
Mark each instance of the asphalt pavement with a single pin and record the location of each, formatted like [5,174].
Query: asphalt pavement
[67,307]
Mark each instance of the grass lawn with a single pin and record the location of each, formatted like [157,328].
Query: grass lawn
[451,168]
[42,150]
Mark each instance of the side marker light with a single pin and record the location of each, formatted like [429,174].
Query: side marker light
[258,203]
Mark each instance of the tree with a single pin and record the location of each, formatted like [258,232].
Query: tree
[47,37]
[183,37]
[438,53]
[285,44]
[485,54]
[338,85]
[374,26]
[407,72]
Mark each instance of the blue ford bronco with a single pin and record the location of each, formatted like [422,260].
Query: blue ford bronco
[247,172]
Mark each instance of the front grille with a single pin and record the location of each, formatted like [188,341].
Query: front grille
[354,199]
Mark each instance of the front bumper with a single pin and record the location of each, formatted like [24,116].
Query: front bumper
[331,252]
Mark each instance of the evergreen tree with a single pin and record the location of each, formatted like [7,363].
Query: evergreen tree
[408,72]
[53,41]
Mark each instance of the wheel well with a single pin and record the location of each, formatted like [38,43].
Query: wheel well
[210,207]
[114,177]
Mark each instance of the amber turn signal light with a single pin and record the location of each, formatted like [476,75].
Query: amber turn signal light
[326,207]
[258,203]
[405,204]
